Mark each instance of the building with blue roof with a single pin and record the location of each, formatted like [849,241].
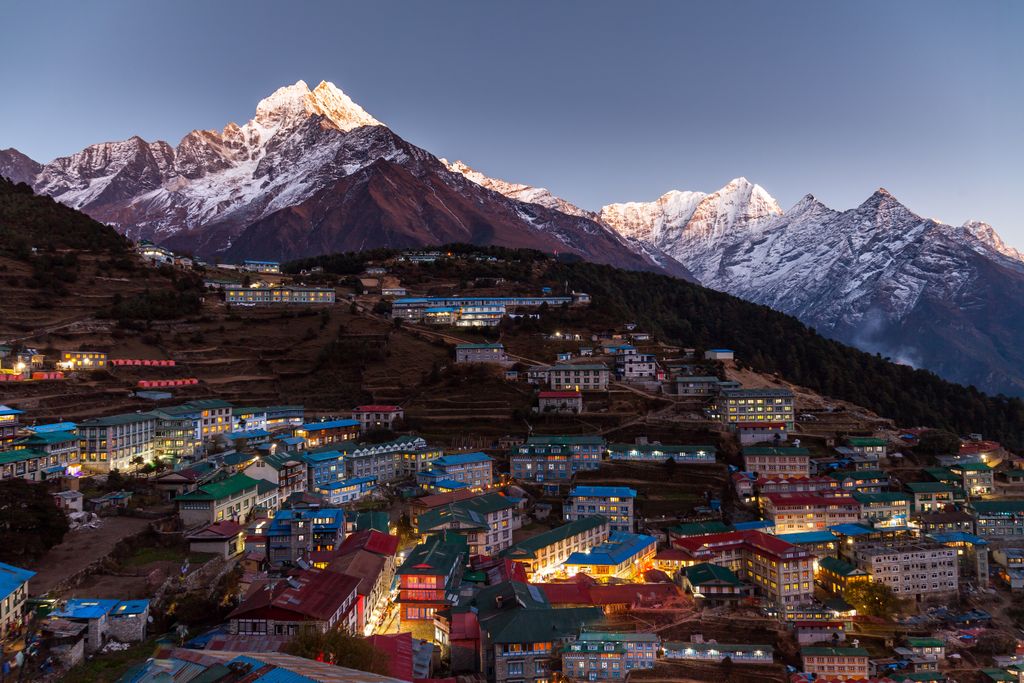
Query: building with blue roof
[475,470]
[802,537]
[822,543]
[122,620]
[13,593]
[624,556]
[348,490]
[613,502]
[214,666]
[304,535]
[324,467]
[54,427]
[10,422]
[444,486]
[250,438]
[261,266]
[972,555]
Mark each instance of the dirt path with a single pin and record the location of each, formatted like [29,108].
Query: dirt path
[80,549]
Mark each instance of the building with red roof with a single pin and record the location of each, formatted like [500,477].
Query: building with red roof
[798,512]
[370,540]
[409,659]
[397,649]
[610,597]
[310,598]
[780,570]
[371,557]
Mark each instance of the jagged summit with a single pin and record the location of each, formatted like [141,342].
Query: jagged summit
[325,100]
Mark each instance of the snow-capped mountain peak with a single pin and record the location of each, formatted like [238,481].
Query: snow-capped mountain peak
[327,100]
[690,225]
[984,234]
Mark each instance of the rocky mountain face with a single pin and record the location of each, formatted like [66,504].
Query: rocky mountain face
[314,173]
[878,276]
[311,173]
[17,167]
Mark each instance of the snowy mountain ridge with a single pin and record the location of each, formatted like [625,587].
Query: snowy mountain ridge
[311,172]
[877,276]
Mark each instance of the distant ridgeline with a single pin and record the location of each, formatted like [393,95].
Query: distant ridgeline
[766,340]
[773,342]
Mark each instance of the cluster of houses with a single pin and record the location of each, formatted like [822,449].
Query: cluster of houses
[476,311]
[311,510]
[753,414]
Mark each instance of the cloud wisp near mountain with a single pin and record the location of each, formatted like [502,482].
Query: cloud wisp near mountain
[313,173]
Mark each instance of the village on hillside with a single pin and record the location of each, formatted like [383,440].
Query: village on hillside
[409,473]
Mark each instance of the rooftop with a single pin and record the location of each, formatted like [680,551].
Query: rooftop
[776,450]
[116,420]
[706,572]
[619,547]
[218,490]
[461,459]
[757,393]
[603,491]
[529,546]
[834,651]
[12,577]
[564,440]
[330,424]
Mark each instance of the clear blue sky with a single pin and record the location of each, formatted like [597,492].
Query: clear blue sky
[597,101]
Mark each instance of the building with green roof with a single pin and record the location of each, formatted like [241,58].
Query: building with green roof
[543,553]
[714,584]
[933,496]
[867,481]
[836,575]
[976,478]
[230,498]
[518,642]
[688,529]
[124,442]
[656,452]
[556,457]
[932,648]
[942,474]
[996,519]
[429,577]
[738,653]
[884,508]
[603,654]
[486,521]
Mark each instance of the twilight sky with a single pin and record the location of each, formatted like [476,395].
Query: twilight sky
[597,101]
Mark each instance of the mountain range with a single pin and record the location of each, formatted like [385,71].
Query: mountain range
[313,173]
[310,173]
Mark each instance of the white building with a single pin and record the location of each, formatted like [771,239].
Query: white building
[480,353]
[913,570]
[120,442]
[582,377]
